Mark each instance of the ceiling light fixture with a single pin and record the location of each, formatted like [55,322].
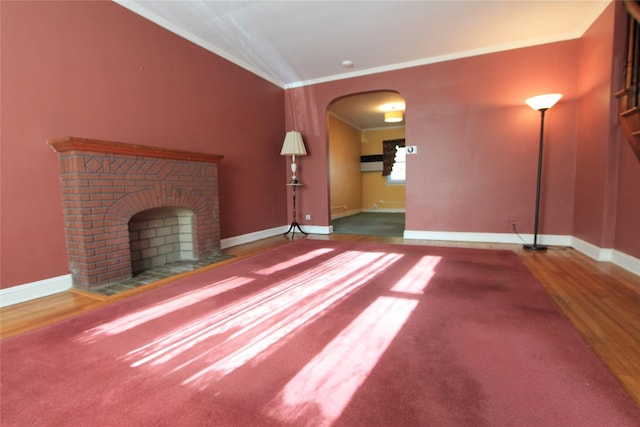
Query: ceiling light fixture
[393,116]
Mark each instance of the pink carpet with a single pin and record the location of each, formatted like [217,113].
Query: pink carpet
[320,333]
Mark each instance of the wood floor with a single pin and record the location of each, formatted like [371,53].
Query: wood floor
[601,300]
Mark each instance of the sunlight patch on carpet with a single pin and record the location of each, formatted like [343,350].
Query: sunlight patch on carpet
[323,388]
[416,279]
[258,337]
[137,318]
[249,329]
[294,261]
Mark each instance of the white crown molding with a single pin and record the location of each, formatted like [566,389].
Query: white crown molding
[356,127]
[345,121]
[438,59]
[460,55]
[402,126]
[145,13]
[139,9]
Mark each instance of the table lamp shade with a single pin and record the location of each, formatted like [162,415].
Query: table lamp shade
[293,145]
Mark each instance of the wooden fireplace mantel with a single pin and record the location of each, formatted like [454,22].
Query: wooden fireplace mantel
[71,143]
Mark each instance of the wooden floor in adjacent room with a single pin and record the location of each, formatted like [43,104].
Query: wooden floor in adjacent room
[601,300]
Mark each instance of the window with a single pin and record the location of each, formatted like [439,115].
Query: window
[398,171]
[393,161]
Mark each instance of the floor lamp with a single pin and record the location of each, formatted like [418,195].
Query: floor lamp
[293,146]
[541,103]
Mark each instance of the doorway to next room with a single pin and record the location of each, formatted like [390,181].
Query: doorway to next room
[367,164]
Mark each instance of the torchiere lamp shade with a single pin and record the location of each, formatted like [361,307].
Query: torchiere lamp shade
[543,102]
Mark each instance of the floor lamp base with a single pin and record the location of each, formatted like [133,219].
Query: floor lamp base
[292,228]
[535,247]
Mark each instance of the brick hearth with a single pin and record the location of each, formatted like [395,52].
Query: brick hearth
[105,183]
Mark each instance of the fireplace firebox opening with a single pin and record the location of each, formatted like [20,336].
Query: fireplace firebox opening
[160,236]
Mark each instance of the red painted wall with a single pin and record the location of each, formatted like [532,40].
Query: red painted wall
[477,139]
[96,70]
[595,183]
[607,194]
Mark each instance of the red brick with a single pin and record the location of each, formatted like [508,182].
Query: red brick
[99,201]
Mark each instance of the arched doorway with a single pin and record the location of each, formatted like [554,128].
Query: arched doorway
[365,198]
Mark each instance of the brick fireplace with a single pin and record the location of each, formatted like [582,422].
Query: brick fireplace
[104,184]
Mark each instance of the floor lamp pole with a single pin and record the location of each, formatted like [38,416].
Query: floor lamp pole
[535,246]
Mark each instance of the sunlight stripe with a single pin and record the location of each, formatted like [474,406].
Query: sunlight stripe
[319,393]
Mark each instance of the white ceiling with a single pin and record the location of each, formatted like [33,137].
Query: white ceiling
[296,43]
